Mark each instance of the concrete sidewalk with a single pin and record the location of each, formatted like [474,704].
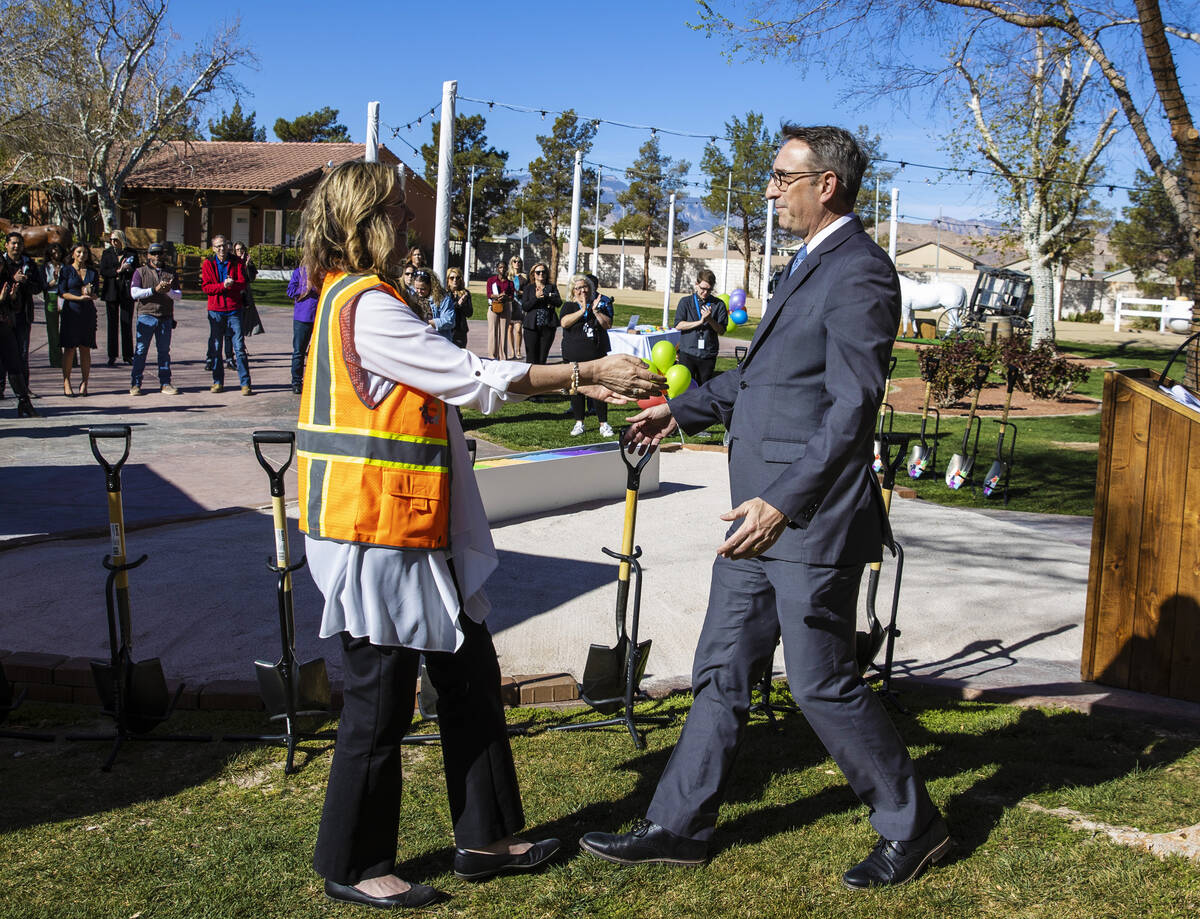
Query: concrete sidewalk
[992,604]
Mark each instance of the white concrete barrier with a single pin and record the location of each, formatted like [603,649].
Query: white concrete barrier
[522,484]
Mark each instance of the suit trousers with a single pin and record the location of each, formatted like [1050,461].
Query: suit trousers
[813,608]
[120,328]
[361,818]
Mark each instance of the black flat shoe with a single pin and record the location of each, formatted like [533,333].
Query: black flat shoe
[892,862]
[476,866]
[416,895]
[647,843]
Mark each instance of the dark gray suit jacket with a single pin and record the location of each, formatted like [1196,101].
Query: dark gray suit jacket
[802,407]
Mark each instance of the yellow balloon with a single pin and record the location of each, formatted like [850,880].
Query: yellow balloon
[662,355]
[679,378]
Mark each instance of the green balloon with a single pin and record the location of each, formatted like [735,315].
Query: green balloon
[730,326]
[724,298]
[662,355]
[679,378]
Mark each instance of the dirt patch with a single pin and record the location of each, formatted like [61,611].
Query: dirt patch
[1081,446]
[907,395]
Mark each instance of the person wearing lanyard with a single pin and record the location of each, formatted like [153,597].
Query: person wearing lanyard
[700,318]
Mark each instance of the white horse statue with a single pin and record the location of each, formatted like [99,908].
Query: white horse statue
[917,296]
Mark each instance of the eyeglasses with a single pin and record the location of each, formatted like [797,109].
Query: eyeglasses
[784,179]
[539,271]
[421,275]
[408,272]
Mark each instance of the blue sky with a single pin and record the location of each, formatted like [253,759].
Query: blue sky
[628,61]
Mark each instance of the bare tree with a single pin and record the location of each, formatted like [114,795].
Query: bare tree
[1023,111]
[122,87]
[1133,47]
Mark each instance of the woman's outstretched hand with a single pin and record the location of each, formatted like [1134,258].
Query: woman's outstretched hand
[622,375]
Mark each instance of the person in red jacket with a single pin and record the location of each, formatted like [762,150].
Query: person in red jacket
[224,280]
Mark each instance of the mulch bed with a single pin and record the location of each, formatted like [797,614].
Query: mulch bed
[907,396]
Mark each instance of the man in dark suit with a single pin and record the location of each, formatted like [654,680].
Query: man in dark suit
[807,516]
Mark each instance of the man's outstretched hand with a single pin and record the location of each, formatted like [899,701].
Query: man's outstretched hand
[648,427]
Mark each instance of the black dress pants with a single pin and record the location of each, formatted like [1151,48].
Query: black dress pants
[538,343]
[12,364]
[120,322]
[357,838]
[701,368]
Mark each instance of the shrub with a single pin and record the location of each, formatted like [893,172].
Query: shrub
[1145,323]
[1095,317]
[962,364]
[1041,372]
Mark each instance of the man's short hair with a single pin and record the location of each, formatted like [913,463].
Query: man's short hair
[11,234]
[220,237]
[705,275]
[833,149]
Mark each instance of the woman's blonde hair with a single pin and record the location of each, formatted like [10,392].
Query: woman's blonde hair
[346,225]
[586,280]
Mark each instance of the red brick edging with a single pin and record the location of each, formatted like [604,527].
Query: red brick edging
[56,678]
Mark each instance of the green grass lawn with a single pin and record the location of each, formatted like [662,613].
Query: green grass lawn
[1047,476]
[193,831]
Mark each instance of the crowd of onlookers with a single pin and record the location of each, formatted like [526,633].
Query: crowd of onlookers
[524,315]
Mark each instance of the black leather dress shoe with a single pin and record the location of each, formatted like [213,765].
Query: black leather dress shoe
[477,866]
[646,843]
[892,862]
[416,895]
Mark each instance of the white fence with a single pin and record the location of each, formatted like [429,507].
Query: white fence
[1169,312]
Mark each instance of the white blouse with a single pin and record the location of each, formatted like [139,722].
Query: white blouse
[409,597]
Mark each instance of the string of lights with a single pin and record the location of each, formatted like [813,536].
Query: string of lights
[655,130]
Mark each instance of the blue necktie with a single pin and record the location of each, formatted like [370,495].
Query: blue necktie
[801,255]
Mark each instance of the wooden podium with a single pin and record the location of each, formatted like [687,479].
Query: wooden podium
[1142,629]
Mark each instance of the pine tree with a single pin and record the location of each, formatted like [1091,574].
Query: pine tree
[652,178]
[320,126]
[233,125]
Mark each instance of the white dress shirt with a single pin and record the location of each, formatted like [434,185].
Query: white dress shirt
[410,597]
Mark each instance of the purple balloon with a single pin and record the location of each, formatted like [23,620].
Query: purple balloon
[737,299]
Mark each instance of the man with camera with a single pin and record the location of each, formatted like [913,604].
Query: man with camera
[19,281]
[155,291]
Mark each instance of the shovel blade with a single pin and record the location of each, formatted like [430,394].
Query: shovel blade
[957,472]
[918,461]
[309,690]
[991,481]
[147,703]
[603,684]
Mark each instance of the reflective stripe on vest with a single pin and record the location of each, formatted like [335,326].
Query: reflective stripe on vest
[378,475]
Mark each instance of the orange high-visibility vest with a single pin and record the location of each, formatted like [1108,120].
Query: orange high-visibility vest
[373,474]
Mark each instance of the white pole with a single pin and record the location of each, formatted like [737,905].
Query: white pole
[892,224]
[576,197]
[670,259]
[372,132]
[621,278]
[596,237]
[725,261]
[937,248]
[522,233]
[445,185]
[877,210]
[767,248]
[467,244]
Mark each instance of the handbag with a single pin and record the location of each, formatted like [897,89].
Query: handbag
[497,306]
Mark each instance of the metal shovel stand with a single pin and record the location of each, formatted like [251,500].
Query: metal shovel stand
[880,636]
[290,689]
[133,693]
[605,687]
